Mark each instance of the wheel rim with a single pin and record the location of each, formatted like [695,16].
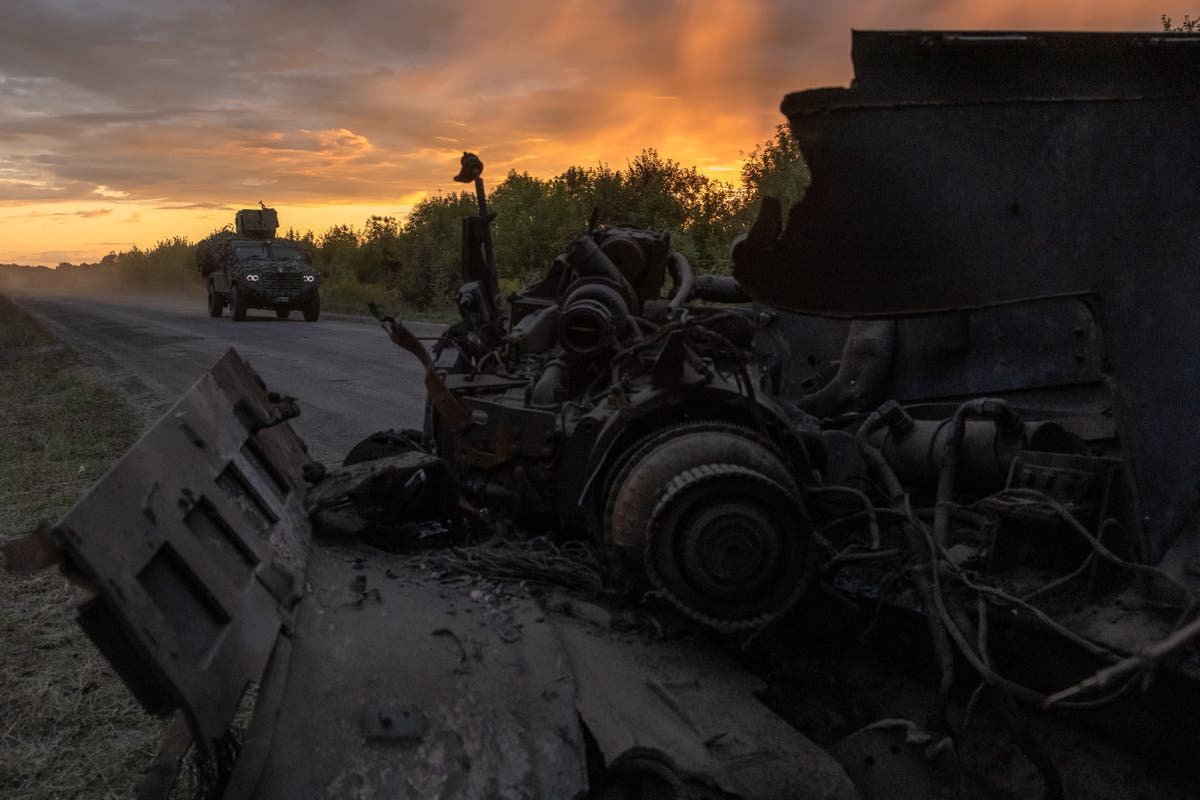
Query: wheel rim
[728,546]
[730,549]
[629,462]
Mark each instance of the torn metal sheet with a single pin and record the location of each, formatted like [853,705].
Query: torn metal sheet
[688,715]
[893,759]
[447,404]
[195,545]
[487,689]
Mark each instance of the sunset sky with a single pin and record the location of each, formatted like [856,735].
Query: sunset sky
[126,121]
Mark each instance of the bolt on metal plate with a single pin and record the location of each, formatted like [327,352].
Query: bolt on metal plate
[393,721]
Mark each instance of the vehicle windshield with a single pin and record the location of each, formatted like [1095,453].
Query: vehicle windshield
[246,252]
[286,253]
[253,251]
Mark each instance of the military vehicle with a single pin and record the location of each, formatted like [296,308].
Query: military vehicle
[919,481]
[249,267]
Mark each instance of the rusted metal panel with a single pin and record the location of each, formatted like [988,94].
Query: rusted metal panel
[442,399]
[195,544]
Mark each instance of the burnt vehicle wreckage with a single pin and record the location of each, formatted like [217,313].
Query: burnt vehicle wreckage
[925,465]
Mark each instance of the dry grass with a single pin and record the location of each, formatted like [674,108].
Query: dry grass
[69,729]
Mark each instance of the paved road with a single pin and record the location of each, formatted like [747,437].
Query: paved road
[348,376]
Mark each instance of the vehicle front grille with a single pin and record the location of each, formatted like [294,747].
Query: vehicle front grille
[286,283]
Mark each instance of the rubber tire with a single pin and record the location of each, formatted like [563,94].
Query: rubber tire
[312,309]
[237,304]
[282,313]
[216,302]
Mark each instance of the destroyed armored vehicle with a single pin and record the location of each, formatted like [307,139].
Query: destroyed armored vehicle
[906,508]
[594,392]
[249,267]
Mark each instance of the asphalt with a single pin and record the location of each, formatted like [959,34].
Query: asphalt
[349,378]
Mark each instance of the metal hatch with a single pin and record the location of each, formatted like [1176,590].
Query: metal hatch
[194,545]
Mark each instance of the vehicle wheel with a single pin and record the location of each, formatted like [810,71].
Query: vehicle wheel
[216,302]
[718,524]
[312,309]
[237,304]
[282,313]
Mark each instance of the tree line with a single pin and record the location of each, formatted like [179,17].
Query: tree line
[416,261]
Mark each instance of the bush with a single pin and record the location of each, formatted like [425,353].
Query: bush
[417,263]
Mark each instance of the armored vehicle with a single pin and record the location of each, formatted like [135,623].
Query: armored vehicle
[249,267]
[931,499]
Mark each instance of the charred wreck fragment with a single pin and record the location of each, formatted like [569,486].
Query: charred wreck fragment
[998,243]
[990,173]
[604,403]
[371,674]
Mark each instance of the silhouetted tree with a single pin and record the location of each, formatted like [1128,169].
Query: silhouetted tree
[1188,25]
[417,261]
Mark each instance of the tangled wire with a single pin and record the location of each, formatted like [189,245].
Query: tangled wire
[538,561]
[944,582]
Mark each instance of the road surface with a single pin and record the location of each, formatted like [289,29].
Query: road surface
[350,379]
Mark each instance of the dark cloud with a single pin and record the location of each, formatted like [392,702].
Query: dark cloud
[199,104]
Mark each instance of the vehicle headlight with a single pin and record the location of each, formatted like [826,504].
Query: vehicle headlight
[309,278]
[251,277]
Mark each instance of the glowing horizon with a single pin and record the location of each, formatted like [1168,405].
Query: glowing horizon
[126,123]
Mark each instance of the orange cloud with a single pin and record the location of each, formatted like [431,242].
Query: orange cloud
[366,104]
[84,214]
[335,143]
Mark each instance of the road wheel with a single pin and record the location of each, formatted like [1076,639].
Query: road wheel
[717,520]
[282,313]
[237,304]
[312,308]
[216,302]
[634,453]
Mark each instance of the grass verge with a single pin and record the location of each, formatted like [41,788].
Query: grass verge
[69,728]
[351,297]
